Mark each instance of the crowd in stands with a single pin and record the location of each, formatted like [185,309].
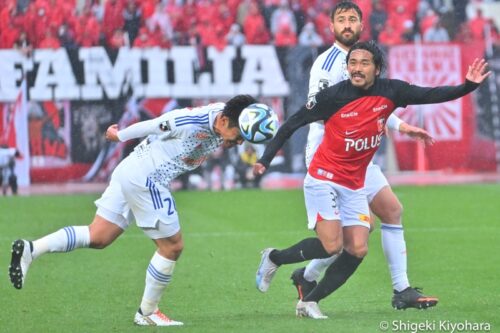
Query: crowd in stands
[28,24]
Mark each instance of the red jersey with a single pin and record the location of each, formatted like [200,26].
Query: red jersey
[354,124]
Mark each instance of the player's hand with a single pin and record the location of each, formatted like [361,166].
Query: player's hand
[258,169]
[417,133]
[112,133]
[477,71]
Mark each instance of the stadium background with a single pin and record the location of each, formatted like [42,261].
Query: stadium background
[68,69]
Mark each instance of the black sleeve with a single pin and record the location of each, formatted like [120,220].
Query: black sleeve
[408,94]
[303,117]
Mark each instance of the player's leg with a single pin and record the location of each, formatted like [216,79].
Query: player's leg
[155,213]
[159,274]
[385,204]
[320,197]
[356,228]
[98,234]
[109,223]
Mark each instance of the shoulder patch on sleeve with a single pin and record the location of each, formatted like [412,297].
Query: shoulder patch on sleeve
[165,126]
[323,84]
[311,102]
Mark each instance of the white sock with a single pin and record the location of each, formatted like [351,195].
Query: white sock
[316,267]
[394,246]
[158,276]
[63,240]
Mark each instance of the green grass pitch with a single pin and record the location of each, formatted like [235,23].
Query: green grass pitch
[453,240]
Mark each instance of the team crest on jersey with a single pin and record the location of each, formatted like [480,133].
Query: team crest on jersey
[165,126]
[380,124]
[311,102]
[202,136]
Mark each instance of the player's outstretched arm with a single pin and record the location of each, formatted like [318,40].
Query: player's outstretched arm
[112,133]
[417,133]
[477,71]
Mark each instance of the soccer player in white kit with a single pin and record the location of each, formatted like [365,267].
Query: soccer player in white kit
[175,143]
[328,69]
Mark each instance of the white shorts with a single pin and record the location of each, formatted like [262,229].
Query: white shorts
[152,206]
[374,181]
[326,200]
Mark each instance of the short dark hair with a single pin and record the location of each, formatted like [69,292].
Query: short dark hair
[344,5]
[234,107]
[372,47]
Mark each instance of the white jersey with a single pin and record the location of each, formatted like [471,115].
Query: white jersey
[6,156]
[179,141]
[328,69]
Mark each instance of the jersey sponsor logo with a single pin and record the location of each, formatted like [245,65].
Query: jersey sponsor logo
[311,102]
[324,173]
[349,114]
[364,218]
[363,144]
[380,108]
[165,126]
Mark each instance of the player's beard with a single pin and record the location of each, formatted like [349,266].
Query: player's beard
[348,41]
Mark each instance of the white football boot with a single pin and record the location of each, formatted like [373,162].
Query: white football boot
[20,262]
[309,309]
[157,318]
[266,271]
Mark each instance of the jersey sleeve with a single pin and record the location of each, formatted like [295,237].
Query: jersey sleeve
[408,94]
[393,122]
[162,125]
[317,108]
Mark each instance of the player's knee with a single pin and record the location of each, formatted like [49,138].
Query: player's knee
[393,214]
[332,247]
[358,250]
[99,241]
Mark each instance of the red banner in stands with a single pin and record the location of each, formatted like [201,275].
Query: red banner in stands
[452,124]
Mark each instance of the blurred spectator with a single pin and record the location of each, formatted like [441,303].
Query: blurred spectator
[255,27]
[464,34]
[243,10]
[244,167]
[235,36]
[87,29]
[148,8]
[477,25]
[378,19]
[299,14]
[322,22]
[283,15]
[50,41]
[428,21]
[145,40]
[23,44]
[389,36]
[161,20]
[118,39]
[285,37]
[113,18]
[309,37]
[132,17]
[66,37]
[8,177]
[408,33]
[436,34]
[224,17]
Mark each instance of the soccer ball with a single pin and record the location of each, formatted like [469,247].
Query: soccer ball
[258,123]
